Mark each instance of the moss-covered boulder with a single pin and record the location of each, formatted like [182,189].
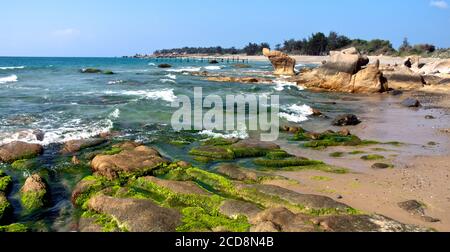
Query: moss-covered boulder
[5,182]
[14,228]
[5,206]
[229,149]
[136,215]
[86,188]
[24,164]
[19,150]
[237,173]
[234,208]
[280,219]
[275,196]
[177,187]
[132,161]
[34,193]
[327,139]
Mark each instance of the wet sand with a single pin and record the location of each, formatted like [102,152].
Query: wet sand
[421,164]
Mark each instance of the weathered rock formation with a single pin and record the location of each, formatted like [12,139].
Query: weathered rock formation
[130,160]
[282,63]
[346,71]
[34,193]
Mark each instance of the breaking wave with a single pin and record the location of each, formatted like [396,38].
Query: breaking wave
[296,113]
[235,134]
[11,78]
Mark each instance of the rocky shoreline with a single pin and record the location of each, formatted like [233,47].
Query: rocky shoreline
[126,186]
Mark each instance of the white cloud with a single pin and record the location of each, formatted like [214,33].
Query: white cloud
[66,33]
[441,4]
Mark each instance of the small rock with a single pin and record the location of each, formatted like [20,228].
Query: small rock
[39,134]
[380,166]
[75,160]
[396,92]
[345,132]
[411,103]
[213,62]
[317,112]
[77,145]
[430,117]
[164,66]
[339,197]
[346,120]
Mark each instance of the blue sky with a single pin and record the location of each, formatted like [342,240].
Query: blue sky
[119,27]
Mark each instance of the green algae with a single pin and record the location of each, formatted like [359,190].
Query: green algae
[215,181]
[14,228]
[196,219]
[24,164]
[5,182]
[372,157]
[107,223]
[5,206]
[357,152]
[33,200]
[337,154]
[112,151]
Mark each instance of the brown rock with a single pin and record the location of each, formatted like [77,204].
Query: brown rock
[369,80]
[19,150]
[234,208]
[403,78]
[282,219]
[235,172]
[282,63]
[34,183]
[77,145]
[137,215]
[139,160]
[347,61]
[256,144]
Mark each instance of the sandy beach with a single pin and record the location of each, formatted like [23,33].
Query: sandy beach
[421,165]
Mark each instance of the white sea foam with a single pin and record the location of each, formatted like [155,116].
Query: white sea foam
[171,76]
[12,67]
[186,69]
[115,114]
[212,68]
[282,84]
[151,64]
[235,134]
[65,133]
[113,82]
[11,78]
[164,94]
[167,81]
[296,113]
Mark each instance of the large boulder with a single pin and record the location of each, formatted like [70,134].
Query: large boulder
[347,72]
[136,215]
[19,150]
[131,161]
[282,63]
[369,80]
[34,193]
[347,61]
[436,67]
[402,77]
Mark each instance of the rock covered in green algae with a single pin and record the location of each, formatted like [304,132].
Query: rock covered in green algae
[327,139]
[19,150]
[5,182]
[271,195]
[24,164]
[5,206]
[34,193]
[131,161]
[14,228]
[235,172]
[136,215]
[229,149]
[234,208]
[85,188]
[179,187]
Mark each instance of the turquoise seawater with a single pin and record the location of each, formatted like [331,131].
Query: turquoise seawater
[53,96]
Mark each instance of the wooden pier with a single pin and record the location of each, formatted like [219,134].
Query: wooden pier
[214,60]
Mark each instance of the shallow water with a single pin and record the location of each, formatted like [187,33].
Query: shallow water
[52,95]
